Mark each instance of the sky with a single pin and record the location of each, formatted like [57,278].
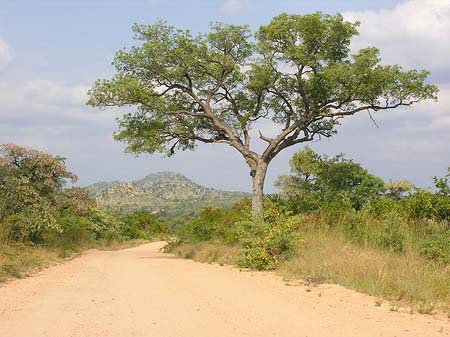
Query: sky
[52,51]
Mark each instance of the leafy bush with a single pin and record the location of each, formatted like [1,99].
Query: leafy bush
[141,225]
[105,225]
[391,235]
[214,223]
[437,245]
[379,207]
[264,244]
[75,231]
[29,224]
[424,204]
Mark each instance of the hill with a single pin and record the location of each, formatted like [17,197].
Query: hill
[164,192]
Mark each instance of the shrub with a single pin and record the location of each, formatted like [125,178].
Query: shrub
[141,225]
[213,223]
[264,244]
[105,225]
[391,236]
[75,231]
[379,207]
[427,205]
[437,246]
[29,224]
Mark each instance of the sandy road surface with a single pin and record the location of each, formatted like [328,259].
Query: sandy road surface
[141,292]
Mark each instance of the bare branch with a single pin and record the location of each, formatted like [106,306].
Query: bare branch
[267,139]
[372,119]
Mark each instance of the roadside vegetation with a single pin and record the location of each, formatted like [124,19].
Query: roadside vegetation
[41,222]
[335,222]
[332,222]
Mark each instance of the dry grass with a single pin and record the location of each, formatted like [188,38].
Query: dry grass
[117,245]
[404,279]
[208,252]
[19,260]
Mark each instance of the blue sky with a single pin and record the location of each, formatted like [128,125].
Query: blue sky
[52,51]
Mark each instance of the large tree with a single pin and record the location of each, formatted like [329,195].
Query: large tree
[31,183]
[296,72]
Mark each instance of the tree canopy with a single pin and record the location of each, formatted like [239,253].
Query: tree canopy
[30,182]
[214,87]
[319,179]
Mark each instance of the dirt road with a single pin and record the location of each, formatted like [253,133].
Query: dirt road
[141,292]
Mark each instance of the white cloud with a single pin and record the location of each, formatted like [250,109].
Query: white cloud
[46,98]
[414,34]
[6,54]
[233,7]
[55,93]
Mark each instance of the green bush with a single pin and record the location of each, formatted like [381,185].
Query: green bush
[437,246]
[142,225]
[427,205]
[29,224]
[105,225]
[379,207]
[213,223]
[204,227]
[391,235]
[264,244]
[75,231]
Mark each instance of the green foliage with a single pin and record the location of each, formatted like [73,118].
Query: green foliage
[76,232]
[211,87]
[45,173]
[30,182]
[338,195]
[320,181]
[142,225]
[436,246]
[378,207]
[392,236]
[296,71]
[35,208]
[443,184]
[105,225]
[265,244]
[29,224]
[212,223]
[424,204]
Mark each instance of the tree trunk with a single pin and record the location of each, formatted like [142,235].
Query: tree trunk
[259,175]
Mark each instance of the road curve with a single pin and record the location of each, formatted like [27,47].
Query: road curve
[142,292]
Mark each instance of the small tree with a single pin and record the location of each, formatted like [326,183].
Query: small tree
[296,71]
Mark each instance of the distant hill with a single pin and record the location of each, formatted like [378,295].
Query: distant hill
[165,192]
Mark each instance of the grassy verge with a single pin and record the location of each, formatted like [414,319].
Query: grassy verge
[402,279]
[20,260]
[208,252]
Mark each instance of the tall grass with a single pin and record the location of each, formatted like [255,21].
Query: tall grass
[406,278]
[18,260]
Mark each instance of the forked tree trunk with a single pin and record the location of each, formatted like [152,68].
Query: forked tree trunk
[259,175]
